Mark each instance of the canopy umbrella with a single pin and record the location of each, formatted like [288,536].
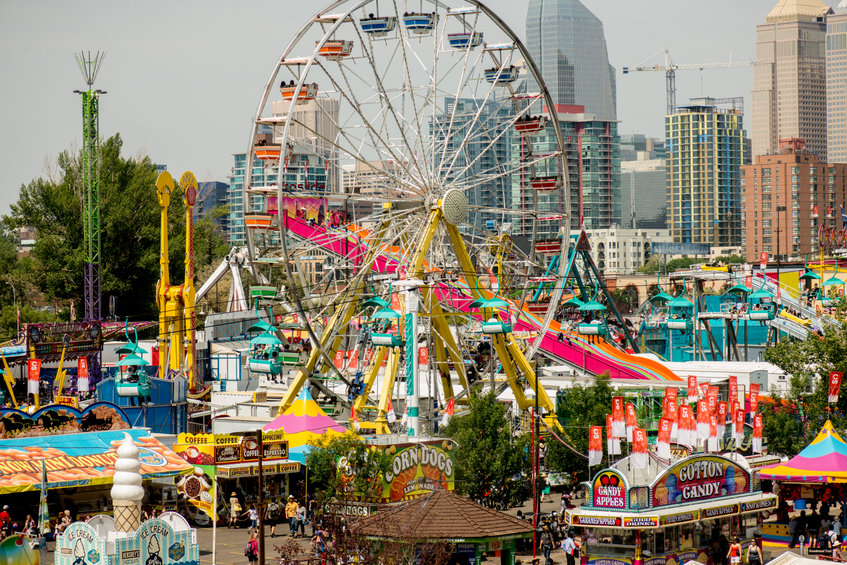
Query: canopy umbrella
[131,360]
[266,339]
[810,275]
[762,293]
[822,461]
[489,303]
[574,302]
[261,326]
[591,306]
[376,301]
[680,302]
[661,297]
[739,288]
[302,422]
[832,281]
[385,314]
[132,348]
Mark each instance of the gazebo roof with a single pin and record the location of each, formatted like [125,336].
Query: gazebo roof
[442,515]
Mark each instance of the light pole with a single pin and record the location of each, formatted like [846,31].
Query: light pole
[778,238]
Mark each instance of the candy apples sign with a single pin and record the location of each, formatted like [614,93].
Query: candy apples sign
[700,477]
[418,469]
[609,490]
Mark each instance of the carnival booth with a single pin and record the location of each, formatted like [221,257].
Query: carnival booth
[668,513]
[818,473]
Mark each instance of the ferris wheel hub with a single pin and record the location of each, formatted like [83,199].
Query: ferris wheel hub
[454,205]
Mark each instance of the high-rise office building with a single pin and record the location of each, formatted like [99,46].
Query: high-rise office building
[787,196]
[212,195]
[567,43]
[704,153]
[789,77]
[644,194]
[836,84]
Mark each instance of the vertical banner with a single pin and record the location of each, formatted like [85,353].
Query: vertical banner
[33,376]
[702,420]
[712,400]
[834,386]
[631,420]
[613,444]
[757,433]
[663,442]
[595,445]
[754,398]
[82,383]
[732,393]
[423,356]
[763,260]
[617,417]
[738,427]
[687,428]
[720,418]
[639,448]
[712,444]
[692,389]
[339,359]
[354,359]
[671,394]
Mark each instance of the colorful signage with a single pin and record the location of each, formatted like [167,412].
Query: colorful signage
[80,545]
[57,419]
[234,472]
[679,518]
[208,449]
[758,505]
[156,543]
[700,477]
[418,469]
[587,520]
[719,511]
[641,522]
[609,490]
[78,339]
[197,488]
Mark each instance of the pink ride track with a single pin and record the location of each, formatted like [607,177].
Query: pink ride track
[596,357]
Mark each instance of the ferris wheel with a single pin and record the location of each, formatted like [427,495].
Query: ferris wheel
[398,141]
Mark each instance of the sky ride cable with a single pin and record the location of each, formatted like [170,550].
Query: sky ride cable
[559,439]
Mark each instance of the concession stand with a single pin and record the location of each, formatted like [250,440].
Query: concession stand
[669,512]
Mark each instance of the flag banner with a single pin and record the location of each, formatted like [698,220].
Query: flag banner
[613,444]
[82,383]
[33,376]
[339,359]
[390,414]
[712,445]
[354,418]
[702,420]
[672,393]
[834,386]
[738,427]
[757,433]
[451,407]
[639,448]
[754,398]
[618,428]
[631,420]
[815,211]
[663,442]
[732,394]
[692,389]
[720,417]
[712,400]
[704,390]
[686,426]
[405,417]
[595,445]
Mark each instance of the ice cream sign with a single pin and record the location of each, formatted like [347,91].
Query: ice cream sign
[609,490]
[700,477]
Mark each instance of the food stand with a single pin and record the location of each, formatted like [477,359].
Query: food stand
[668,513]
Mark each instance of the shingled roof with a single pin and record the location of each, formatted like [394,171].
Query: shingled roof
[442,515]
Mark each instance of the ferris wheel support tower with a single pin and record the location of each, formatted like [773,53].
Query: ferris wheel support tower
[89,65]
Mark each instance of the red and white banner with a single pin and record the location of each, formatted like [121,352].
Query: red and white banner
[354,359]
[712,400]
[754,398]
[686,427]
[693,393]
[449,410]
[390,414]
[712,444]
[82,384]
[423,356]
[720,418]
[631,420]
[758,427]
[354,418]
[738,427]
[618,429]
[732,393]
[639,449]
[339,359]
[595,445]
[815,211]
[33,376]
[834,385]
[702,420]
[671,392]
[613,444]
[663,442]
[763,260]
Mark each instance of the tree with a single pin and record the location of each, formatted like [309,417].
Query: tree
[343,466]
[130,217]
[790,424]
[488,457]
[577,408]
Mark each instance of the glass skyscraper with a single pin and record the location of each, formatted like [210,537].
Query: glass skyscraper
[567,43]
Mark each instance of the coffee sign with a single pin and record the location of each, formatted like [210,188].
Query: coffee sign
[700,477]
[609,490]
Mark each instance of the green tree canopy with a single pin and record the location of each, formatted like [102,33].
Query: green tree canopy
[343,466]
[488,458]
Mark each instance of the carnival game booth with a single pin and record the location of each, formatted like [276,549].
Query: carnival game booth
[819,473]
[669,512]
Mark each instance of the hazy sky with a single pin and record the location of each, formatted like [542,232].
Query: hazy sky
[184,78]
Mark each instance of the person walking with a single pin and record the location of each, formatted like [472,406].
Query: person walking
[734,553]
[234,511]
[302,518]
[547,544]
[253,515]
[569,547]
[291,515]
[319,544]
[251,550]
[272,516]
[754,554]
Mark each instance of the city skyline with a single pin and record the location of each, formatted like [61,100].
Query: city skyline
[184,80]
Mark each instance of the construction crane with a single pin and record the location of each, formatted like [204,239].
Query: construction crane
[89,65]
[670,69]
